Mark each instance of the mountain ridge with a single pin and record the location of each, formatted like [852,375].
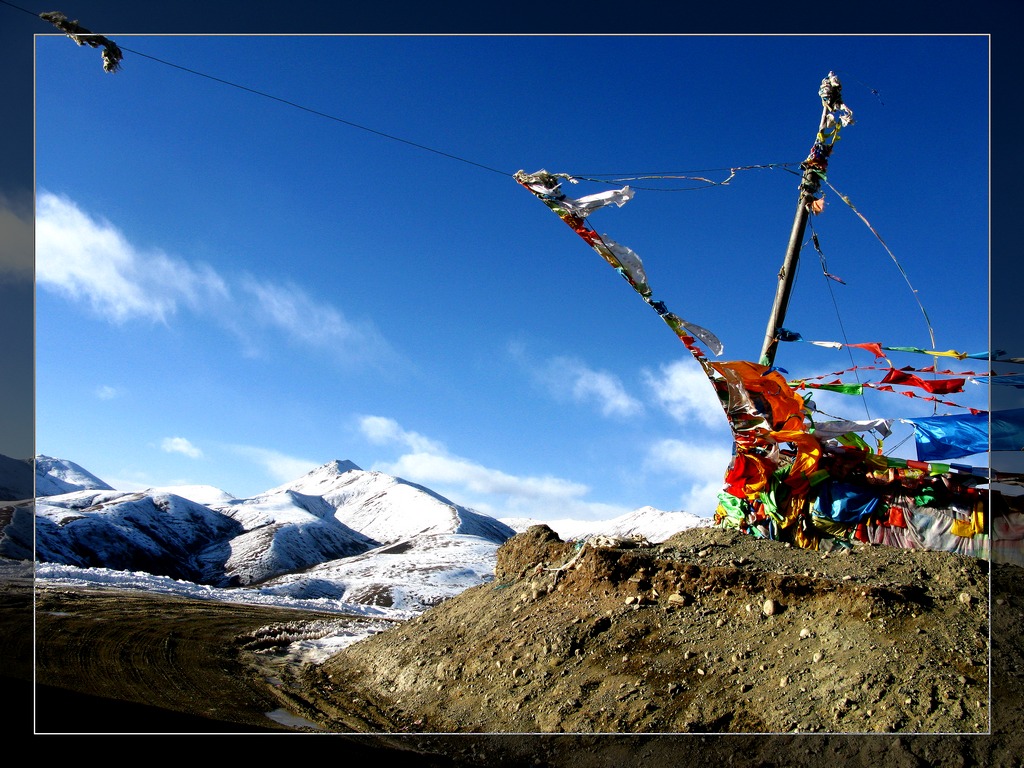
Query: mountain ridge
[358,539]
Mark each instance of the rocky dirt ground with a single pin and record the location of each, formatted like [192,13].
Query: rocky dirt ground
[689,650]
[710,632]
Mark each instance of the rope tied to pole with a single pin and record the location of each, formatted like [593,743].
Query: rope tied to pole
[835,115]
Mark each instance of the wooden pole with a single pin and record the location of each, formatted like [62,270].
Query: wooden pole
[808,186]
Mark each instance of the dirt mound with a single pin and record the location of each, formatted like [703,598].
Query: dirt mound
[583,639]
[710,631]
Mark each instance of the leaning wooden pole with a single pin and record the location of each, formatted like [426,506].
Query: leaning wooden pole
[833,114]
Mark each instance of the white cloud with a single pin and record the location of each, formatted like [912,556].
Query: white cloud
[499,493]
[703,464]
[477,479]
[180,445]
[89,259]
[474,485]
[685,392]
[697,460]
[289,308]
[278,465]
[568,377]
[137,481]
[313,323]
[107,392]
[381,430]
[702,498]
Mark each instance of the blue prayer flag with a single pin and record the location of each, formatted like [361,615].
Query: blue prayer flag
[950,437]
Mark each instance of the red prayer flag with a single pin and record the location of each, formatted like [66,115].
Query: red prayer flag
[873,347]
[935,386]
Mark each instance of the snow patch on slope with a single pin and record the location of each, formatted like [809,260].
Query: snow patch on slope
[406,576]
[207,495]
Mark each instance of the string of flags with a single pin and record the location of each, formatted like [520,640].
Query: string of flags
[879,350]
[917,298]
[858,389]
[574,212]
[820,485]
[968,375]
[903,378]
[771,488]
[906,376]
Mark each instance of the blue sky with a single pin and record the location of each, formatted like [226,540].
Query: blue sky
[232,290]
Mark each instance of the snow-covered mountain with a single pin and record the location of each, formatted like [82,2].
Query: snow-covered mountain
[282,531]
[390,509]
[407,576]
[162,534]
[338,533]
[337,538]
[56,476]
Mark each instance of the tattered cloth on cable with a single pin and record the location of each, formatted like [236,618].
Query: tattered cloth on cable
[827,430]
[765,486]
[547,188]
[763,412]
[935,386]
[111,53]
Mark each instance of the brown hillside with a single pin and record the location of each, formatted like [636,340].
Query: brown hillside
[709,632]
